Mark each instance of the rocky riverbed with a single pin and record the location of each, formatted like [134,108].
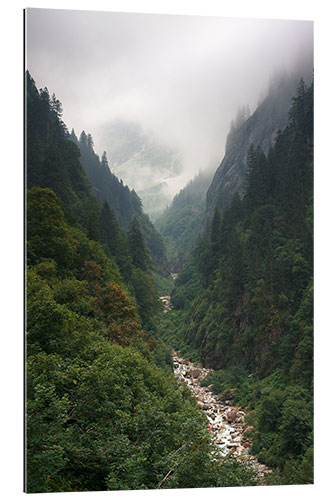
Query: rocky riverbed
[226,422]
[166,299]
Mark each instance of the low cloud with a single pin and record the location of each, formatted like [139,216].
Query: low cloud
[181,77]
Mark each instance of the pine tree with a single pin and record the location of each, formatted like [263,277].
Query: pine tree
[56,106]
[109,230]
[53,158]
[104,161]
[93,225]
[83,140]
[138,249]
[90,142]
[73,137]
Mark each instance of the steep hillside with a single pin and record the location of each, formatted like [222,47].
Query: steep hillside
[250,313]
[260,129]
[180,223]
[100,414]
[142,163]
[53,162]
[124,202]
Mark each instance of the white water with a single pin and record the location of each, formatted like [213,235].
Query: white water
[225,422]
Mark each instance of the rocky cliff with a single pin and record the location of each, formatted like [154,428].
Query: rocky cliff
[260,129]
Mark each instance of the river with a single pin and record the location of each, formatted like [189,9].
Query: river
[226,422]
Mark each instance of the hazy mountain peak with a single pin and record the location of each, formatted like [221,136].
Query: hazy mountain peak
[142,162]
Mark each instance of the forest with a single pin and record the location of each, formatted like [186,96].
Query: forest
[104,410]
[245,298]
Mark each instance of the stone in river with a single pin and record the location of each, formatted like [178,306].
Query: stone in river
[231,415]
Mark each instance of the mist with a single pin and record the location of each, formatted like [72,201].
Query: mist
[181,78]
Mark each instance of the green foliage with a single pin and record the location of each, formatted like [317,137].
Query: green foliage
[109,230]
[164,285]
[100,414]
[48,233]
[247,296]
[188,285]
[232,383]
[170,331]
[103,408]
[138,249]
[65,221]
[111,423]
[147,299]
[123,203]
[284,430]
[53,161]
[103,416]
[180,223]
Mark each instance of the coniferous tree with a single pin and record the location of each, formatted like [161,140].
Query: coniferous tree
[109,230]
[83,139]
[53,161]
[90,142]
[104,161]
[124,202]
[73,137]
[93,225]
[138,249]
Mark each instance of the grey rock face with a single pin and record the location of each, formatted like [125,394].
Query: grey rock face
[260,129]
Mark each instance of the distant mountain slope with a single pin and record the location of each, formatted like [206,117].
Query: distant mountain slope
[180,223]
[69,227]
[125,203]
[260,129]
[142,163]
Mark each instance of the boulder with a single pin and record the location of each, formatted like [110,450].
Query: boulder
[196,373]
[231,416]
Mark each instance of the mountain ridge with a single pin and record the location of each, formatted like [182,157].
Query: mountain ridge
[260,129]
[132,150]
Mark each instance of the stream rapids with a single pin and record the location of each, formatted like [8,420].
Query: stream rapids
[226,423]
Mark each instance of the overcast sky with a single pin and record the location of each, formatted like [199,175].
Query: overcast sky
[182,77]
